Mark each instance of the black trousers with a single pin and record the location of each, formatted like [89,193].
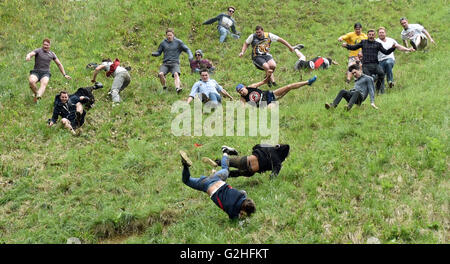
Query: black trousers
[352,97]
[375,69]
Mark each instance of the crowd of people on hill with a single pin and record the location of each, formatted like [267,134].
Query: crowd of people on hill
[370,61]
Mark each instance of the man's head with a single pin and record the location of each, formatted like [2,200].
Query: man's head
[63,96]
[46,44]
[357,28]
[106,60]
[404,22]
[198,54]
[170,34]
[371,34]
[382,33]
[204,74]
[247,208]
[360,56]
[241,89]
[231,10]
[259,31]
[355,70]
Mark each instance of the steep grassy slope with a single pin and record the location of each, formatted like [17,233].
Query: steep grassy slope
[350,175]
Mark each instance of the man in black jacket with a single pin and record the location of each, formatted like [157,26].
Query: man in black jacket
[370,49]
[263,158]
[71,112]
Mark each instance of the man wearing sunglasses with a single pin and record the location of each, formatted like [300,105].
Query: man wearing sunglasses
[225,24]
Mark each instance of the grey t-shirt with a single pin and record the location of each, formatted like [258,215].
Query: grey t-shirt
[42,59]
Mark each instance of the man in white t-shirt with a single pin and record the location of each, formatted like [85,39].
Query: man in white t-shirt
[417,35]
[121,77]
[387,61]
[260,42]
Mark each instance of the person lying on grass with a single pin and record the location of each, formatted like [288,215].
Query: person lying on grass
[255,96]
[71,112]
[357,95]
[234,202]
[263,158]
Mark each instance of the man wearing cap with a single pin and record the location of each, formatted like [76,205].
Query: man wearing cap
[256,97]
[199,63]
[208,89]
[417,35]
[172,48]
[262,59]
[313,64]
[225,23]
[353,38]
[41,72]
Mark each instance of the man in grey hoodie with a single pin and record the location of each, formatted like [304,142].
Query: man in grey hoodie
[226,24]
[363,87]
[172,48]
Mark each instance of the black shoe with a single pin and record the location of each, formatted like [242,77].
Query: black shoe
[229,150]
[299,46]
[328,106]
[179,90]
[78,118]
[204,98]
[185,159]
[391,84]
[98,85]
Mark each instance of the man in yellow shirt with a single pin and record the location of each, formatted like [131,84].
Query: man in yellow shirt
[353,38]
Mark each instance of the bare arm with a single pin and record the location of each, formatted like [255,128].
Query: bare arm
[96,71]
[256,85]
[29,55]
[402,48]
[224,92]
[428,35]
[189,100]
[405,43]
[284,42]
[61,69]
[244,48]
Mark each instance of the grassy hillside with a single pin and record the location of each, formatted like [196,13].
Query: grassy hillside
[350,175]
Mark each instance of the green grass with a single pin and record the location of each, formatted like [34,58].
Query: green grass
[350,175]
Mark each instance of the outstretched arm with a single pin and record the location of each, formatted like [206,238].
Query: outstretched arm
[29,55]
[61,69]
[212,20]
[284,42]
[244,48]
[96,71]
[402,48]
[428,36]
[352,47]
[256,85]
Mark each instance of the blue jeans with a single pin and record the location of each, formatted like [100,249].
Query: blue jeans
[203,183]
[387,66]
[213,97]
[223,32]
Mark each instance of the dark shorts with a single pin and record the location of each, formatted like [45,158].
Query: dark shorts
[75,124]
[269,97]
[40,74]
[260,60]
[170,67]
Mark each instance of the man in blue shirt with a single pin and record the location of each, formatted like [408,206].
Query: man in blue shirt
[208,88]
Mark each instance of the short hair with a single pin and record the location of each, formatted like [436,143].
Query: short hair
[202,70]
[248,206]
[62,92]
[46,40]
[170,30]
[357,25]
[231,7]
[381,28]
[371,30]
[354,67]
[106,60]
[403,18]
[258,28]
